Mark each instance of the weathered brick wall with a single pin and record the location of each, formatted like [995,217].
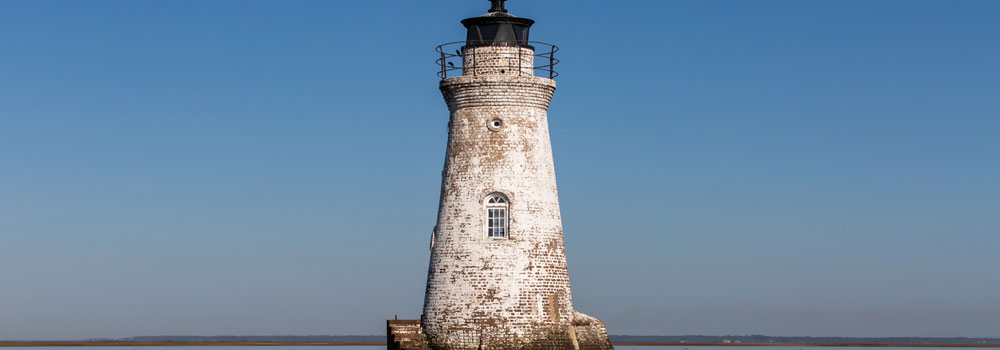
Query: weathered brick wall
[512,292]
[498,60]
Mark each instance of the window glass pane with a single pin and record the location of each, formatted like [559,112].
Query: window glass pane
[497,219]
[489,31]
[521,32]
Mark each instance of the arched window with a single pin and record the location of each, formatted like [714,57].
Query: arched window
[497,215]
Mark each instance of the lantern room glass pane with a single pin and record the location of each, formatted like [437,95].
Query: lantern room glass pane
[488,31]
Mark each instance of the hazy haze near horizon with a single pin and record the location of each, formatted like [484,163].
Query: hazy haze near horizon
[725,167]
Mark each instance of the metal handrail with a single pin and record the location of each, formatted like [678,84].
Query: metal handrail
[448,65]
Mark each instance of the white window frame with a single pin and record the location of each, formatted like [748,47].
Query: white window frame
[496,226]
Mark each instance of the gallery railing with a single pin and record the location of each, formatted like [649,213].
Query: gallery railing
[464,58]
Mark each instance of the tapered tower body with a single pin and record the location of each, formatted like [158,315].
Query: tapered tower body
[498,277]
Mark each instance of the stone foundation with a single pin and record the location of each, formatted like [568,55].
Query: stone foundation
[405,335]
[584,333]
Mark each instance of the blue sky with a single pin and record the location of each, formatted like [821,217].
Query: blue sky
[724,167]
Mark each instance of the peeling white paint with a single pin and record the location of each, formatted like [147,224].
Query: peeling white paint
[490,292]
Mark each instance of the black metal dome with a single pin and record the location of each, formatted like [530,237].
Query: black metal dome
[497,28]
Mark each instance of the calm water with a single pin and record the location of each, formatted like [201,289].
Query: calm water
[383,347]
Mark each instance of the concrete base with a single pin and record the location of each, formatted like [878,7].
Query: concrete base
[585,333]
[405,335]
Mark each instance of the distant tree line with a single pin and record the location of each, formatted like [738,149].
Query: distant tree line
[258,338]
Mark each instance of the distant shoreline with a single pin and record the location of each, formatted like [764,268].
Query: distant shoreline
[8,344]
[375,343]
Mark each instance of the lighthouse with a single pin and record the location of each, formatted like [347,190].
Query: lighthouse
[498,277]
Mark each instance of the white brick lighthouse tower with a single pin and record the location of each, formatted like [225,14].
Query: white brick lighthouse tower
[498,277]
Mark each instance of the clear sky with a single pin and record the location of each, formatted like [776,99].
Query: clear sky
[725,167]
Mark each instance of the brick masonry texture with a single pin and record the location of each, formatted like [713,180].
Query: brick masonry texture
[501,293]
[498,60]
[405,335]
